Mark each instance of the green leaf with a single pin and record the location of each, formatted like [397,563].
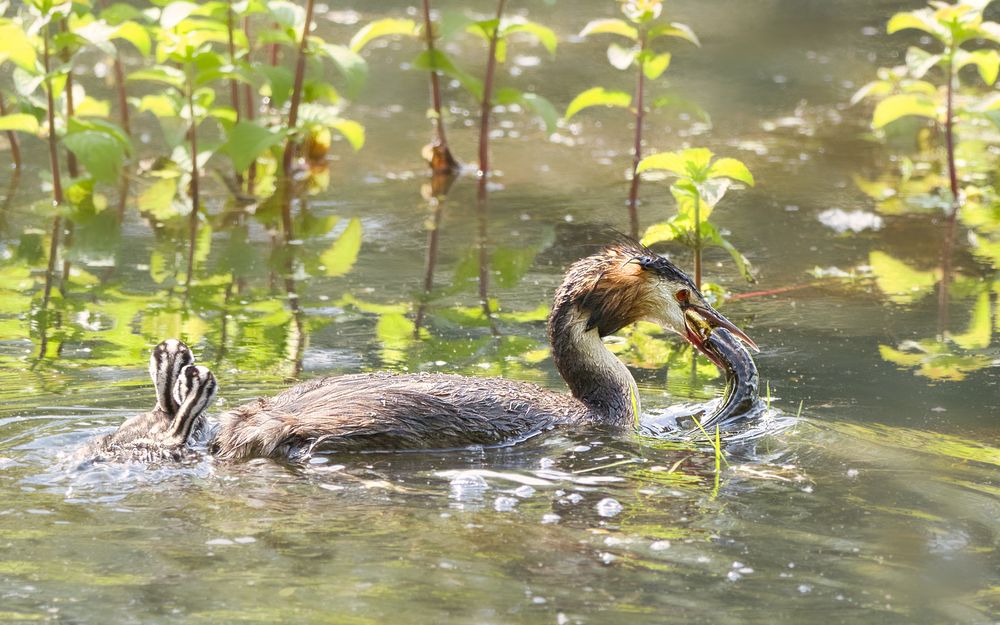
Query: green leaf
[920,61]
[351,66]
[161,74]
[17,47]
[731,168]
[674,29]
[545,35]
[176,12]
[247,141]
[163,105]
[654,66]
[441,62]
[352,131]
[341,256]
[621,57]
[544,109]
[902,105]
[19,122]
[597,96]
[382,28]
[986,61]
[286,13]
[101,153]
[875,88]
[673,162]
[280,80]
[611,27]
[921,19]
[663,231]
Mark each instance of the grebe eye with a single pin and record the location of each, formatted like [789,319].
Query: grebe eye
[682,295]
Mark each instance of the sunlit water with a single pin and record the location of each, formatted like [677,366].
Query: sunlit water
[880,503]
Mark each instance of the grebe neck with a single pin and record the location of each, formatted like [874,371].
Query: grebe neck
[594,375]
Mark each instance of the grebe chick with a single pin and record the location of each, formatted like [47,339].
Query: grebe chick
[183,393]
[600,294]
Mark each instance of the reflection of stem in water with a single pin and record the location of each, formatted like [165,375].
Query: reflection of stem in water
[946,270]
[293,120]
[487,104]
[482,205]
[442,160]
[633,192]
[433,234]
[234,87]
[195,191]
[15,146]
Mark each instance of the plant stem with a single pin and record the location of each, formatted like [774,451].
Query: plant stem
[72,166]
[122,95]
[15,145]
[482,205]
[250,106]
[640,112]
[442,160]
[949,132]
[697,242]
[57,191]
[234,88]
[195,190]
[484,121]
[293,120]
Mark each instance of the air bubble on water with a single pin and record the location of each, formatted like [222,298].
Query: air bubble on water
[609,507]
[524,491]
[504,504]
[550,518]
[805,589]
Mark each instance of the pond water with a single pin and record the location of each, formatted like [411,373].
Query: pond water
[880,503]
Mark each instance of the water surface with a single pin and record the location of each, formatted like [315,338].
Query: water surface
[880,504]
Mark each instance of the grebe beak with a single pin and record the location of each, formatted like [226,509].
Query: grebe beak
[701,319]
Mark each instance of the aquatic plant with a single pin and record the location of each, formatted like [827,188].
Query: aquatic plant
[701,182]
[641,30]
[904,92]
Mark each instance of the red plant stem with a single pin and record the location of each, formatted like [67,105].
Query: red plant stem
[951,226]
[234,88]
[949,132]
[776,291]
[250,105]
[15,145]
[71,164]
[640,112]
[293,120]
[484,122]
[122,96]
[697,243]
[444,161]
[57,191]
[195,190]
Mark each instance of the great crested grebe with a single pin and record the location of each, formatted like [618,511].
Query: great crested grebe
[183,393]
[623,283]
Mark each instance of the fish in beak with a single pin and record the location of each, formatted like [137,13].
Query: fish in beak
[700,319]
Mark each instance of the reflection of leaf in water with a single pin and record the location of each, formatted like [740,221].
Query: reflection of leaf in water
[934,360]
[935,443]
[395,333]
[510,264]
[902,284]
[371,307]
[979,332]
[341,256]
[538,314]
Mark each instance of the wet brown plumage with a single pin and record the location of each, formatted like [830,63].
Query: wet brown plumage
[600,294]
